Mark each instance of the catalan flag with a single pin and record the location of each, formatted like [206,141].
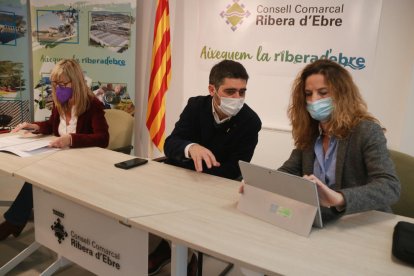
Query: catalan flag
[160,75]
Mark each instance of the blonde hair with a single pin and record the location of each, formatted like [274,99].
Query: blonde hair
[349,106]
[82,95]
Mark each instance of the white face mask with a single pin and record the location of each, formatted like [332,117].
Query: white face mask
[230,106]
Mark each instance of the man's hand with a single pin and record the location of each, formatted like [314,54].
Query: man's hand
[199,154]
[327,196]
[63,141]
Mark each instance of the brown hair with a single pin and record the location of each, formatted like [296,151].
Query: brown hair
[349,106]
[227,69]
[82,95]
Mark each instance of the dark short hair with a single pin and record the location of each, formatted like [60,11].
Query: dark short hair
[227,69]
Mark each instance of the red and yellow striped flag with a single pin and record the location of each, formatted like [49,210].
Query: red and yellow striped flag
[160,75]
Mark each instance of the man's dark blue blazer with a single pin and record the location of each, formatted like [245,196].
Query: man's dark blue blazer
[230,142]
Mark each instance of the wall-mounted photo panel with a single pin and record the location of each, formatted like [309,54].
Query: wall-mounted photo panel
[99,34]
[15,82]
[114,95]
[12,82]
[57,26]
[43,93]
[12,27]
[111,30]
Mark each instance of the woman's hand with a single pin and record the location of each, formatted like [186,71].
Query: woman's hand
[327,196]
[63,141]
[28,127]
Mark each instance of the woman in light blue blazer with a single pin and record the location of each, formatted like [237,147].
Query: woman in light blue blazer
[338,144]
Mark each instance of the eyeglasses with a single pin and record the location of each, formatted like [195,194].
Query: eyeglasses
[61,84]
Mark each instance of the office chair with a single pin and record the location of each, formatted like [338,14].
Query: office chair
[404,165]
[120,129]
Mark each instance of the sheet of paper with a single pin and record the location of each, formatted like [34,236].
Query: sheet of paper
[15,140]
[25,146]
[34,145]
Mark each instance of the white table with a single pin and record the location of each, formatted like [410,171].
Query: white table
[198,211]
[10,163]
[88,177]
[357,244]
[85,182]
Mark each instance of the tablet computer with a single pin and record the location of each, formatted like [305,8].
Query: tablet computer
[286,200]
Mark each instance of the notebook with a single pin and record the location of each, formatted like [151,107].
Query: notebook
[285,200]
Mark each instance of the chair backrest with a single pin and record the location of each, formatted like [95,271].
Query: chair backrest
[120,130]
[404,165]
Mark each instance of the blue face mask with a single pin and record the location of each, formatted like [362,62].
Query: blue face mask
[320,110]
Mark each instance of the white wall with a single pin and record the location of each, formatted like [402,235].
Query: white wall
[392,85]
[390,93]
[407,138]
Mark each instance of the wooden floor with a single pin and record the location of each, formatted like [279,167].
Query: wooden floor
[42,258]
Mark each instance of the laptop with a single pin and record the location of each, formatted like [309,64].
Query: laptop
[288,201]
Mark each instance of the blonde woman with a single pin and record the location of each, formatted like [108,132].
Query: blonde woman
[77,120]
[338,144]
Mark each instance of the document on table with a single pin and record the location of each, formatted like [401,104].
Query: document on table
[23,146]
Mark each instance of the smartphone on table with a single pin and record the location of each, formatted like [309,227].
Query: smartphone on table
[135,162]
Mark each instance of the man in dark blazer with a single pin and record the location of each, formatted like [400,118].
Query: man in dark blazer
[213,133]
